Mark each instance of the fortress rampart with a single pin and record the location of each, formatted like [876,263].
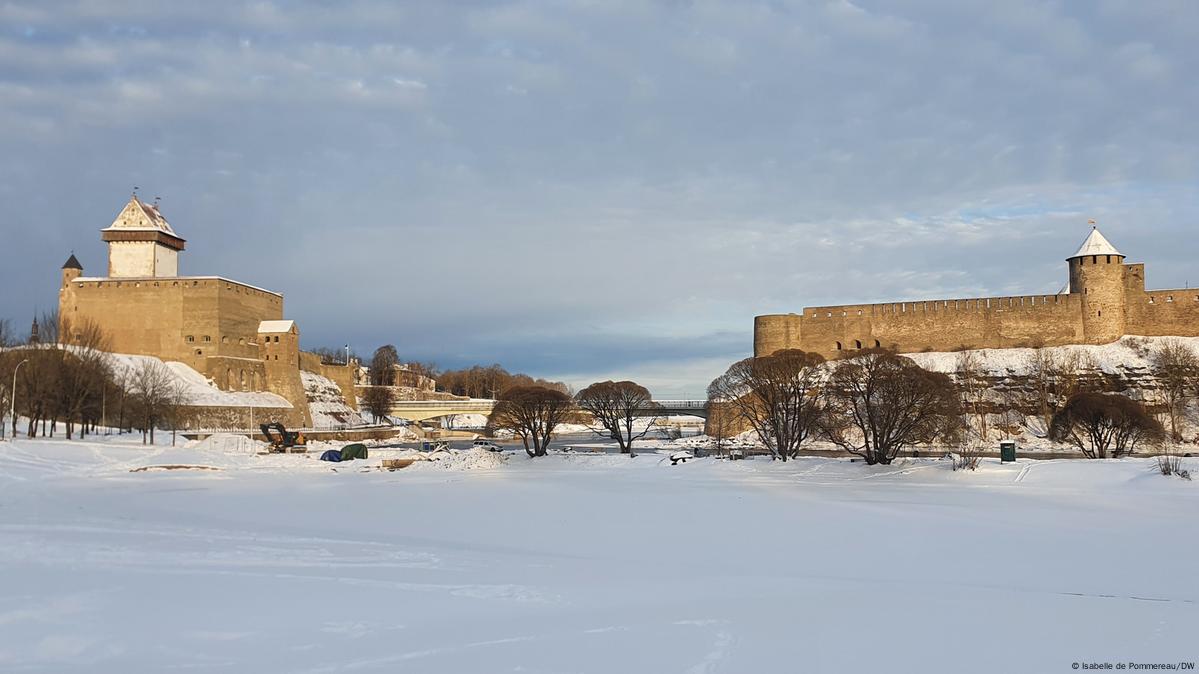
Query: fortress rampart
[1106,300]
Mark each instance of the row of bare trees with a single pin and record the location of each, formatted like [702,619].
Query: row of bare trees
[620,410]
[75,385]
[489,381]
[873,405]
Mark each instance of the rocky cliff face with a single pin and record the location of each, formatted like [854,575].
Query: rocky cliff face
[1015,381]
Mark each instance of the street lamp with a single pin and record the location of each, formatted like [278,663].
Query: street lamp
[12,410]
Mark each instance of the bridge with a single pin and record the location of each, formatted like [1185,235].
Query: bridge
[422,410]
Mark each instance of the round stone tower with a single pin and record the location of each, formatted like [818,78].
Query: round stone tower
[775,332]
[1097,276]
[71,270]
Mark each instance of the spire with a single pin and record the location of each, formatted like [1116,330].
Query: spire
[1096,244]
[34,337]
[72,263]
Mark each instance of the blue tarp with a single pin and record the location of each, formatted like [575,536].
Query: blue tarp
[331,455]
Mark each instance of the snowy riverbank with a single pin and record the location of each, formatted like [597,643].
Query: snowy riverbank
[587,563]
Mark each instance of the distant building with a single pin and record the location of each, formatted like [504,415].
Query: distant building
[231,332]
[1105,300]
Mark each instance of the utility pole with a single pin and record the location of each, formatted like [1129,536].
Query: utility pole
[12,410]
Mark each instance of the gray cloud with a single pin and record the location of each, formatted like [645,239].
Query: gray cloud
[589,188]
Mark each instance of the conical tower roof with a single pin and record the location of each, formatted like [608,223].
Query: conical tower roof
[72,263]
[1096,244]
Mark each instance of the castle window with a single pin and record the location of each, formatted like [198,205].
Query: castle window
[276,339]
[199,352]
[857,343]
[838,346]
[877,344]
[1151,300]
[1100,313]
[224,339]
[1094,259]
[1109,259]
[1169,298]
[191,338]
[208,338]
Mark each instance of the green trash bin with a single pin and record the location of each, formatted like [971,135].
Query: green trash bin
[1007,451]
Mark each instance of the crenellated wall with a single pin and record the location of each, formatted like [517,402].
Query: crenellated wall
[1107,299]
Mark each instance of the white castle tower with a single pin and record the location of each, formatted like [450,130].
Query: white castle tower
[141,243]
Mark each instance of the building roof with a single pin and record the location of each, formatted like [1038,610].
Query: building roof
[275,326]
[72,263]
[140,216]
[1096,244]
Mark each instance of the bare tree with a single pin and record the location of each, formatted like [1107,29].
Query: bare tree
[779,396]
[616,405]
[86,371]
[177,410]
[881,403]
[153,392]
[379,400]
[383,365]
[532,413]
[7,336]
[1175,365]
[48,327]
[972,382]
[1099,424]
[720,425]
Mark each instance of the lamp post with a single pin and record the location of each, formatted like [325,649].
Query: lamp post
[12,409]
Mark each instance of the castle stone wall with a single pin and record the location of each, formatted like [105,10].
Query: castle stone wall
[184,319]
[1107,300]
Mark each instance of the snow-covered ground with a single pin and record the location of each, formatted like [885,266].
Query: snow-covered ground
[327,403]
[586,563]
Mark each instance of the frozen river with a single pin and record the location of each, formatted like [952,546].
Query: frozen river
[586,563]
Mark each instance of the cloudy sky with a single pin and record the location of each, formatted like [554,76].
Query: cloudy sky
[595,188]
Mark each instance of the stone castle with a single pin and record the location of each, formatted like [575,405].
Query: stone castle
[233,333]
[1105,300]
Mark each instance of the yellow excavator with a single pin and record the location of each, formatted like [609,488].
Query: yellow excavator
[283,440]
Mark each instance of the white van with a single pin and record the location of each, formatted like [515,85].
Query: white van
[488,445]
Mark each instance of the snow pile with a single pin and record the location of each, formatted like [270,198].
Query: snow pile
[228,443]
[327,404]
[1129,354]
[471,459]
[199,390]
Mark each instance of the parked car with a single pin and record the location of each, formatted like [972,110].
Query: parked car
[487,445]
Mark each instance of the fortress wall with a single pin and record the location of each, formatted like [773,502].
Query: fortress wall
[282,365]
[942,325]
[1164,312]
[342,375]
[140,317]
[236,374]
[775,332]
[242,308]
[183,319]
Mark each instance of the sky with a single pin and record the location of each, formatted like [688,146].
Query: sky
[594,189]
